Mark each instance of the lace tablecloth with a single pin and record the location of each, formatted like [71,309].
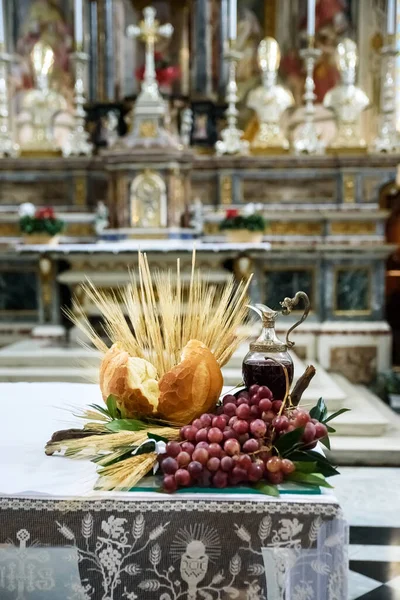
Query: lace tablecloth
[58,541]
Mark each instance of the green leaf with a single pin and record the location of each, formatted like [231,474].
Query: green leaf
[323,464]
[125,425]
[319,411]
[309,478]
[336,414]
[305,466]
[146,447]
[157,438]
[266,488]
[100,409]
[326,442]
[287,441]
[112,407]
[330,429]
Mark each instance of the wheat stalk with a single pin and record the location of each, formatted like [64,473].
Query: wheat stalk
[125,474]
[161,324]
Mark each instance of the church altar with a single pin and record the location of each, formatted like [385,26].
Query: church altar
[62,538]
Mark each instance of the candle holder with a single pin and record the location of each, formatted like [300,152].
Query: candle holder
[8,147]
[307,140]
[78,140]
[388,139]
[232,142]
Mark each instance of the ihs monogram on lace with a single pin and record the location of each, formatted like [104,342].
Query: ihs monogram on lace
[21,567]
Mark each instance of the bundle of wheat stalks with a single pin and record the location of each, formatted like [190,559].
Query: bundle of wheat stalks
[164,365]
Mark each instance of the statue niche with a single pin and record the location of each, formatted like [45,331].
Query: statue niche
[148,201]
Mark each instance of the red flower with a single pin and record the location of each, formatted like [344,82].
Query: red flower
[45,213]
[232,213]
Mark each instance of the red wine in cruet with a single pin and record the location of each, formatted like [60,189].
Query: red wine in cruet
[267,372]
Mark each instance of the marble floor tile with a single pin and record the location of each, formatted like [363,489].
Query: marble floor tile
[394,583]
[377,570]
[374,553]
[360,585]
[381,593]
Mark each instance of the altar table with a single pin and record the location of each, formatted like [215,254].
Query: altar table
[59,540]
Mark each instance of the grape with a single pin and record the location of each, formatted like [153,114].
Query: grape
[320,430]
[230,409]
[309,433]
[255,411]
[251,445]
[254,400]
[274,478]
[183,459]
[220,422]
[253,389]
[264,392]
[281,423]
[290,428]
[189,433]
[213,464]
[169,484]
[214,450]
[201,455]
[232,447]
[243,400]
[202,445]
[205,420]
[215,435]
[229,399]
[245,462]
[195,469]
[229,433]
[226,463]
[258,428]
[182,477]
[187,447]
[244,394]
[301,419]
[173,449]
[242,439]
[276,405]
[220,479]
[274,464]
[265,404]
[197,423]
[169,465]
[255,472]
[315,421]
[202,435]
[238,475]
[268,416]
[231,421]
[205,478]
[265,456]
[241,426]
[243,411]
[287,466]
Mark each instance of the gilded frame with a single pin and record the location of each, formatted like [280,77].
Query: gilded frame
[352,312]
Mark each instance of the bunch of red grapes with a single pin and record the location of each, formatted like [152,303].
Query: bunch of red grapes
[235,445]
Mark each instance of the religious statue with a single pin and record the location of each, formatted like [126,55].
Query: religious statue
[347,101]
[41,105]
[269,101]
[101,218]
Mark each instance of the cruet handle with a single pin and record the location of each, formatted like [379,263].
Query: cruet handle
[288,305]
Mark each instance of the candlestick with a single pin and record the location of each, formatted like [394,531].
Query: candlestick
[78,142]
[391,17]
[232,19]
[2,29]
[311,18]
[232,142]
[307,140]
[78,23]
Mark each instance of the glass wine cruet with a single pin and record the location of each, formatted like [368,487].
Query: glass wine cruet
[263,364]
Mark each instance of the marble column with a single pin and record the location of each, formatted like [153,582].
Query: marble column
[202,48]
[223,36]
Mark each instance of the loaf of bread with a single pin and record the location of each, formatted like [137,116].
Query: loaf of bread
[132,380]
[191,388]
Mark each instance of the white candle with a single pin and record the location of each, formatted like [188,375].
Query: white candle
[232,31]
[311,18]
[78,21]
[2,33]
[391,17]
